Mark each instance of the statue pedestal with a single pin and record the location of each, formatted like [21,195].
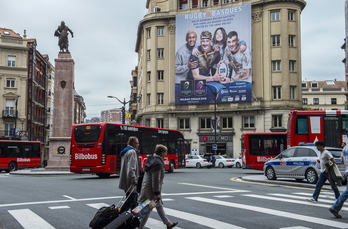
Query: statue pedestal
[63,113]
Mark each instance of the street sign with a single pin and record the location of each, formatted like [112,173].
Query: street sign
[128,115]
[214,146]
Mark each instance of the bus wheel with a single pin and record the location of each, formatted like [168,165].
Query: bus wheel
[171,167]
[103,175]
[270,174]
[311,176]
[12,166]
[198,165]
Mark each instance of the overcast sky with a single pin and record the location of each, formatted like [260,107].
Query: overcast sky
[105,32]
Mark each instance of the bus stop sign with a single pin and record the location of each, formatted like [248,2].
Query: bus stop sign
[214,146]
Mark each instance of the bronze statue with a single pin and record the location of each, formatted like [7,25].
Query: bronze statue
[62,32]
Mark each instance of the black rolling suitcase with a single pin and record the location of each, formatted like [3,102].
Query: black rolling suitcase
[105,215]
[126,220]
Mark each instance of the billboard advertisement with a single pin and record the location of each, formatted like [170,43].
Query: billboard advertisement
[213,56]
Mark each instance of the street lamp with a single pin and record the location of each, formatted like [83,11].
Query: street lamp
[123,108]
[215,93]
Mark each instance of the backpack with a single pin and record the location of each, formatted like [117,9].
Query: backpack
[104,216]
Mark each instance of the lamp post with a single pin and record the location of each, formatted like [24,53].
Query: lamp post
[16,115]
[215,93]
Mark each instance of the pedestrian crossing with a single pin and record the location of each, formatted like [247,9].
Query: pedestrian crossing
[29,219]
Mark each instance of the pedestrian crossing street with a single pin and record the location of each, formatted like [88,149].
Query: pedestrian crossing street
[28,219]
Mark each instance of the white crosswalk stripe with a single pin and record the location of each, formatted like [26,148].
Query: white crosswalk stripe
[310,219]
[30,220]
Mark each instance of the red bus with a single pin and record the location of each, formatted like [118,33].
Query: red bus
[19,154]
[95,146]
[257,148]
[309,126]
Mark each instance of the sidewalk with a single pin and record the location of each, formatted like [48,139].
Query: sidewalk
[41,172]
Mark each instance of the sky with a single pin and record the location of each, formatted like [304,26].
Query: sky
[105,31]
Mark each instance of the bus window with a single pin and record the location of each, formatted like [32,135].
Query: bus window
[302,125]
[344,125]
[87,133]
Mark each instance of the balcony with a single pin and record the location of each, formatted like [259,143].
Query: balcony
[9,114]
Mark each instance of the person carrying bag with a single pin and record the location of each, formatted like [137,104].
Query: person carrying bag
[152,184]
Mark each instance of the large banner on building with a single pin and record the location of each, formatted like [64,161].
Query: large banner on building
[213,56]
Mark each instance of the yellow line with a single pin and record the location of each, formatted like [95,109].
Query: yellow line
[236,179]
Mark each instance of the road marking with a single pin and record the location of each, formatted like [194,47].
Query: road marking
[277,213]
[299,227]
[224,196]
[212,223]
[69,197]
[98,205]
[29,220]
[212,187]
[58,207]
[304,201]
[153,223]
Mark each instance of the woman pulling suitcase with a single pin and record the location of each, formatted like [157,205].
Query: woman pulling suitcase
[152,184]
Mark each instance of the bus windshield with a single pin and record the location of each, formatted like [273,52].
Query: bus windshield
[87,133]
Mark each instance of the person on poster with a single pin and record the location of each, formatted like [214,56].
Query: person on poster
[183,63]
[239,60]
[207,61]
[219,40]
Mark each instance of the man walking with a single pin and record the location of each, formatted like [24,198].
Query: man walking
[129,172]
[325,157]
[336,207]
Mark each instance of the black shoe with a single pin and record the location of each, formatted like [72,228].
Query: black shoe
[173,225]
[335,213]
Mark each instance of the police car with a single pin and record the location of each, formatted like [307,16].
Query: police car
[299,162]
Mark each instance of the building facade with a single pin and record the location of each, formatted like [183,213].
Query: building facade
[276,73]
[324,95]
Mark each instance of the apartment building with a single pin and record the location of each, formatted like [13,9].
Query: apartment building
[271,33]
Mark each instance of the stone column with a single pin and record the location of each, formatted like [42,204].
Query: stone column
[63,113]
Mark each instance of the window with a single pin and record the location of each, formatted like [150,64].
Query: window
[333,101]
[148,54]
[11,61]
[160,53]
[277,120]
[183,4]
[147,122]
[159,123]
[276,65]
[275,16]
[292,92]
[277,92]
[291,15]
[160,31]
[148,96]
[148,32]
[184,123]
[275,40]
[304,101]
[315,85]
[160,98]
[148,74]
[292,65]
[227,123]
[10,104]
[205,3]
[205,123]
[10,82]
[160,74]
[248,122]
[226,1]
[304,85]
[316,101]
[291,40]
[8,127]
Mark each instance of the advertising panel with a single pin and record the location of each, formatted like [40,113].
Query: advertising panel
[213,56]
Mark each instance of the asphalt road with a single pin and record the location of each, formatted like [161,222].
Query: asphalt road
[196,198]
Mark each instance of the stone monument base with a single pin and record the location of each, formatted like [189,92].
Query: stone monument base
[59,153]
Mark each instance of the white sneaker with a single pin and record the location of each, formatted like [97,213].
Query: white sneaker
[312,200]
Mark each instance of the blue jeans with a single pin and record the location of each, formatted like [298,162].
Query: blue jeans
[321,181]
[340,201]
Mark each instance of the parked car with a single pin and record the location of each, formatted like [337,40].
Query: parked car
[299,162]
[196,161]
[222,161]
[238,163]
